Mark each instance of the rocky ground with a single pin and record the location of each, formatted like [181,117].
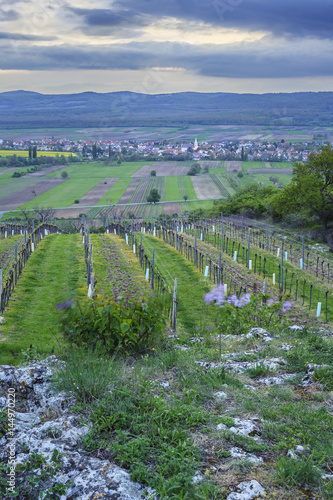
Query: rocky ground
[48,435]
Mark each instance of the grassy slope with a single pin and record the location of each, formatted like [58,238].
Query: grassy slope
[189,188]
[172,265]
[171,190]
[54,273]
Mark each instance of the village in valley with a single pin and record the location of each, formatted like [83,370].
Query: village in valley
[250,150]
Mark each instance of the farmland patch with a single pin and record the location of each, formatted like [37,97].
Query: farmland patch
[163,168]
[205,188]
[271,171]
[233,166]
[26,194]
[171,208]
[47,171]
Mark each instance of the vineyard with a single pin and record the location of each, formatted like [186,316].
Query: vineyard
[214,398]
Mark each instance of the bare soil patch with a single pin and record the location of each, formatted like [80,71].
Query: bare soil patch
[270,170]
[24,195]
[233,166]
[163,168]
[209,163]
[129,191]
[205,188]
[8,170]
[46,171]
[97,192]
[71,213]
[171,208]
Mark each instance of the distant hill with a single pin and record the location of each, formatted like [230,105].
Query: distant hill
[21,109]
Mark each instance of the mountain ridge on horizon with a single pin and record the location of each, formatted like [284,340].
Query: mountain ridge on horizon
[28,109]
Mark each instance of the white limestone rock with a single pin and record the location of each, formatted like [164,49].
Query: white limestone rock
[259,333]
[248,491]
[220,395]
[278,380]
[242,455]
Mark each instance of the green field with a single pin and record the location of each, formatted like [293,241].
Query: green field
[84,176]
[171,190]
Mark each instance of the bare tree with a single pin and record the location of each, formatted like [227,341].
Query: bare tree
[46,212]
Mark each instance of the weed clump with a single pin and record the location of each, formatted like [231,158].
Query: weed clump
[125,326]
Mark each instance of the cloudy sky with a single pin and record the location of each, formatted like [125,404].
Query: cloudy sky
[160,46]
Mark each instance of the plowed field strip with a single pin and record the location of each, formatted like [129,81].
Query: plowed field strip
[25,195]
[205,188]
[117,269]
[163,169]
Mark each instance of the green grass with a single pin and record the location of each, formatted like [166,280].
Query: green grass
[171,190]
[170,264]
[64,194]
[272,267]
[253,164]
[115,193]
[54,273]
[10,186]
[190,191]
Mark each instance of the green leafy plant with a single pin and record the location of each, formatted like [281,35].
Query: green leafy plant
[3,422]
[128,326]
[31,478]
[325,377]
[257,370]
[239,313]
[149,436]
[30,355]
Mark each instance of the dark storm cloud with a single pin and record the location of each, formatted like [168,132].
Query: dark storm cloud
[17,36]
[237,61]
[112,18]
[281,17]
[9,15]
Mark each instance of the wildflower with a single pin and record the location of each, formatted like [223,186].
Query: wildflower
[270,302]
[233,300]
[286,306]
[216,295]
[65,305]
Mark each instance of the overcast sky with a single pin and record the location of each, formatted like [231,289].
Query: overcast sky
[161,46]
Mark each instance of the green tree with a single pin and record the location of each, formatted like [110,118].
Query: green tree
[311,189]
[64,174]
[153,173]
[94,151]
[30,152]
[153,196]
[34,152]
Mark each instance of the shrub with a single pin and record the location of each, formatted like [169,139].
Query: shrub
[76,201]
[117,326]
